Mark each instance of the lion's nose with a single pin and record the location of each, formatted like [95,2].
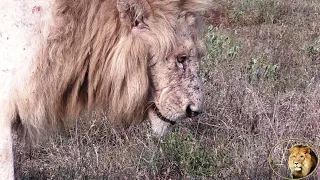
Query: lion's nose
[296,163]
[192,111]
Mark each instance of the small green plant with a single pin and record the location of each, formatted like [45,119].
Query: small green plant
[220,49]
[313,49]
[269,10]
[186,151]
[238,15]
[220,45]
[260,70]
[215,43]
[233,48]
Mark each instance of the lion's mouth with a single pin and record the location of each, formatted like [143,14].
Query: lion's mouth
[160,116]
[297,168]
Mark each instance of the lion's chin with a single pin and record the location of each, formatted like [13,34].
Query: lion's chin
[159,127]
[297,168]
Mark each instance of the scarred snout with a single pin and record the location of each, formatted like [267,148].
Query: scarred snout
[195,99]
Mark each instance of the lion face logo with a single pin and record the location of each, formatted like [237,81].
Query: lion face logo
[302,161]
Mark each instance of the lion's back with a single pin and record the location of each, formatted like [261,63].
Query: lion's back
[21,32]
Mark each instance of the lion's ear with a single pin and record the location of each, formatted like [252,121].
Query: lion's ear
[133,11]
[291,150]
[308,150]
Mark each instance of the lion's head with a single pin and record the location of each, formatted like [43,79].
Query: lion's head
[176,84]
[302,161]
[174,46]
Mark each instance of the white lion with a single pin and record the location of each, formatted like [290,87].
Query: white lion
[134,59]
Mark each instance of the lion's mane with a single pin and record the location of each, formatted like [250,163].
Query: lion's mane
[91,60]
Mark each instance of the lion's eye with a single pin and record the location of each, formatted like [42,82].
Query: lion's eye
[136,23]
[139,23]
[181,60]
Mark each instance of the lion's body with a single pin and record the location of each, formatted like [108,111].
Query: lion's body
[19,40]
[61,58]
[302,161]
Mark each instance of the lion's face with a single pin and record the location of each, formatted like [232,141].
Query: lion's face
[167,34]
[176,84]
[300,161]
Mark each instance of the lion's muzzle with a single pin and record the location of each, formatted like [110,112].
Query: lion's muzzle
[193,111]
[297,166]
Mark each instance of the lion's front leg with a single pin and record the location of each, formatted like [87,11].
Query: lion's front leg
[6,155]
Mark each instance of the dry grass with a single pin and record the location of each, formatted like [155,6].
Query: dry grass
[262,79]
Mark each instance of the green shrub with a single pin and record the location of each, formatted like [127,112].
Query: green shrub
[186,151]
